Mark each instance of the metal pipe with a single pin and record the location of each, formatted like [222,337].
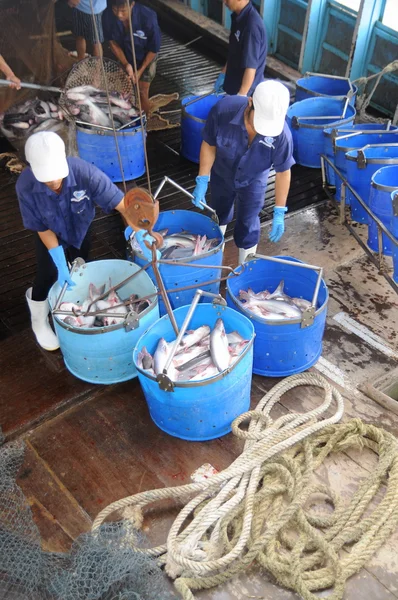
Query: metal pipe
[32,86]
[79,262]
[323,172]
[162,57]
[380,249]
[342,204]
[163,290]
[317,287]
[184,191]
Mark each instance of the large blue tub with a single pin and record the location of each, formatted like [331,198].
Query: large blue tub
[361,165]
[195,110]
[203,410]
[330,134]
[176,276]
[324,86]
[307,120]
[281,348]
[384,182]
[394,231]
[103,354]
[97,146]
[353,141]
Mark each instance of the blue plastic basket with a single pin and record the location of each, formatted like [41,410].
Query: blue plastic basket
[97,146]
[103,354]
[384,182]
[361,165]
[330,133]
[353,141]
[204,410]
[195,110]
[324,86]
[281,348]
[307,120]
[175,276]
[394,231]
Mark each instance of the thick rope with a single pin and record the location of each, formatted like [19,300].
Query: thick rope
[364,100]
[258,509]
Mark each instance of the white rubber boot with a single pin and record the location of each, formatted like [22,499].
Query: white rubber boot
[223,230]
[244,253]
[45,336]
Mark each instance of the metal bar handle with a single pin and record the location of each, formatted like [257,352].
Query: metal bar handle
[184,191]
[213,91]
[79,262]
[32,86]
[309,74]
[284,261]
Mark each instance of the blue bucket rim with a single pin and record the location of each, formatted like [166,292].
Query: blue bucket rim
[105,329]
[185,113]
[191,259]
[262,320]
[321,127]
[380,186]
[203,382]
[355,133]
[300,86]
[373,160]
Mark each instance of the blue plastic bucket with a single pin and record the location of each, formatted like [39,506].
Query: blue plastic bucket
[204,410]
[330,134]
[195,110]
[384,182]
[98,147]
[394,231]
[353,141]
[361,165]
[307,132]
[176,276]
[284,347]
[324,86]
[103,354]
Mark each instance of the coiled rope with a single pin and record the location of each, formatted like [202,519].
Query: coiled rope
[258,508]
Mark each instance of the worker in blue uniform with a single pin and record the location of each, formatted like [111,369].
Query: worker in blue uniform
[57,198]
[242,139]
[247,50]
[146,36]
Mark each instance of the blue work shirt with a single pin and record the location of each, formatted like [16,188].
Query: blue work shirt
[145,28]
[98,6]
[70,213]
[247,166]
[247,49]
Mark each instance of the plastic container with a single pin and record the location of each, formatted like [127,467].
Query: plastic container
[204,410]
[330,133]
[97,146]
[324,86]
[384,182]
[361,165]
[103,354]
[394,231]
[307,132]
[195,110]
[176,276]
[281,348]
[353,141]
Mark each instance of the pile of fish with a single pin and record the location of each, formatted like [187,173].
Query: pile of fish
[180,245]
[21,120]
[202,353]
[89,104]
[276,306]
[113,304]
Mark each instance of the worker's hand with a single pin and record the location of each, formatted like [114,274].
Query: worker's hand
[131,74]
[58,256]
[278,224]
[73,3]
[15,82]
[199,193]
[219,83]
[143,236]
[127,233]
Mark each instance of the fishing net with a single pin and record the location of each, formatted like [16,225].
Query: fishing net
[100,566]
[29,44]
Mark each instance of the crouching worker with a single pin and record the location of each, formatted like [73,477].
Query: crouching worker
[57,198]
[242,139]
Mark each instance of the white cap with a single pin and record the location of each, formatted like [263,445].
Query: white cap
[45,152]
[271,100]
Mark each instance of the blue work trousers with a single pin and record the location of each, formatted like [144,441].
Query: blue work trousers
[248,202]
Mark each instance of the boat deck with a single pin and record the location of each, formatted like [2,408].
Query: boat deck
[87,445]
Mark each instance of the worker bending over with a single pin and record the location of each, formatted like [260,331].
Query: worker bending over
[9,74]
[247,50]
[57,198]
[146,36]
[242,139]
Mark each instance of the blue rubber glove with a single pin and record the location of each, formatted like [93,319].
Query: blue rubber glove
[219,83]
[58,256]
[278,223]
[127,233]
[143,236]
[199,193]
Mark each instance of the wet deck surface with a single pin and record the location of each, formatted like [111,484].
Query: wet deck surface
[87,445]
